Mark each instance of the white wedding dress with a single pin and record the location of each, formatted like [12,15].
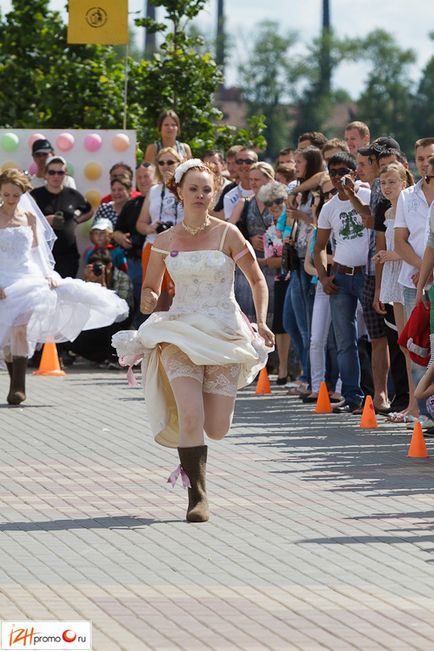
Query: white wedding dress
[204,321]
[60,313]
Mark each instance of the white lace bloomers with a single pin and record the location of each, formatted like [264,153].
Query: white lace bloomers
[207,325]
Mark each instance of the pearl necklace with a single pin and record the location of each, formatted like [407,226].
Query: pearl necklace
[195,231]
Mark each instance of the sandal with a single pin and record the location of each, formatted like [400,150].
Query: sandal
[400,417]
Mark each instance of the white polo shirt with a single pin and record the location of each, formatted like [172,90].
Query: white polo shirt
[349,233]
[412,213]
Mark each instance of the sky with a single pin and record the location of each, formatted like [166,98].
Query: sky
[409,22]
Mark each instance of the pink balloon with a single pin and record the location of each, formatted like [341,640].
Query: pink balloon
[93,142]
[121,142]
[33,168]
[65,141]
[36,136]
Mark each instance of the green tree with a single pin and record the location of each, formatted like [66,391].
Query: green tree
[50,83]
[316,100]
[267,80]
[183,77]
[423,104]
[386,102]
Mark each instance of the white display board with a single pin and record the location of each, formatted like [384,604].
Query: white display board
[89,154]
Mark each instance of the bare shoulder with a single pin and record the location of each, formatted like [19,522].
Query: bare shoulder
[163,240]
[233,234]
[150,153]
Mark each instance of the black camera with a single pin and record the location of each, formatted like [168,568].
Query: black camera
[164,226]
[98,268]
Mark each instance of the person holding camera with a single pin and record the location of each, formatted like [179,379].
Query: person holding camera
[345,283]
[127,236]
[64,208]
[95,345]
[161,210]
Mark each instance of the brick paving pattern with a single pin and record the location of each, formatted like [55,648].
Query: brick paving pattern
[321,533]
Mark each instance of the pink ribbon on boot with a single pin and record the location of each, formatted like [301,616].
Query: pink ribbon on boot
[175,474]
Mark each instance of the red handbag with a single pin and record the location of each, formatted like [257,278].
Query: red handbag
[415,336]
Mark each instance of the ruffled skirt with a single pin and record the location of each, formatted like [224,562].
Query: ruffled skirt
[59,314]
[205,341]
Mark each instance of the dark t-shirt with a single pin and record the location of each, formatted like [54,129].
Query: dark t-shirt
[69,202]
[378,206]
[126,223]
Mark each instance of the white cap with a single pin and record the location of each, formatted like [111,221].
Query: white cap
[55,159]
[102,224]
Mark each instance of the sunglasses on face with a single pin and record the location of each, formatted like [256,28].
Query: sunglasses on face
[166,162]
[278,202]
[428,178]
[41,154]
[341,171]
[56,172]
[245,161]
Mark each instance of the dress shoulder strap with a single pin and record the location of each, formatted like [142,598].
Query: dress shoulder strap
[157,250]
[222,241]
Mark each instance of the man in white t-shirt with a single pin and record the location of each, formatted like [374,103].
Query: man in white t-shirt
[245,159]
[411,235]
[339,219]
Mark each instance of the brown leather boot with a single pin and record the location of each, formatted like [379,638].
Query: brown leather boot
[17,391]
[193,461]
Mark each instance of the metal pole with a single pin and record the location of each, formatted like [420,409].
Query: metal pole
[126,88]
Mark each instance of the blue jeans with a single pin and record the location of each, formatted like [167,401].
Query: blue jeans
[417,371]
[294,322]
[343,306]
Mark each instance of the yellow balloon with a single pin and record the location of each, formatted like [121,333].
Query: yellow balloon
[10,165]
[93,171]
[93,197]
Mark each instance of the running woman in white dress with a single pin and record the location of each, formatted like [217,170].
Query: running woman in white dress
[197,354]
[36,304]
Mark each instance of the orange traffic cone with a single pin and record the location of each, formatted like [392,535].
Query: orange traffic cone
[323,405]
[368,420]
[263,385]
[417,449]
[49,361]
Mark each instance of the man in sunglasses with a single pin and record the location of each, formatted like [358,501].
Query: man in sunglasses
[64,208]
[244,161]
[42,150]
[338,218]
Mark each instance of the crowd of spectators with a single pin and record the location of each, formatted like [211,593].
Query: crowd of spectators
[339,226]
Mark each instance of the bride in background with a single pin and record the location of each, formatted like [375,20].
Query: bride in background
[36,304]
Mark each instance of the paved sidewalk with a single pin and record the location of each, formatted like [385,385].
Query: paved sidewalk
[321,534]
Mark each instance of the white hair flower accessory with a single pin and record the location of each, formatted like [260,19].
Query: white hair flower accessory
[184,167]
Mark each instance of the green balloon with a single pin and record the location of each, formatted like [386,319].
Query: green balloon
[9,142]
[70,169]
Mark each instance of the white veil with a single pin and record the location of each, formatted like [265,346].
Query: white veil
[42,253]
